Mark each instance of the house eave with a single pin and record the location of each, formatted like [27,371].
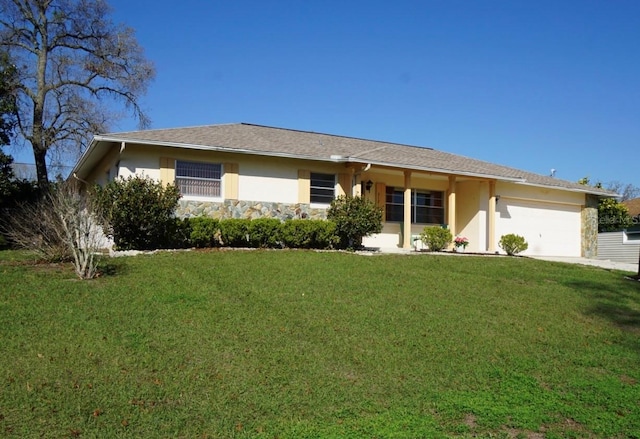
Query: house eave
[100,139]
[330,158]
[586,190]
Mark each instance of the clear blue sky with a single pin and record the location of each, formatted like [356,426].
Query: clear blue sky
[530,84]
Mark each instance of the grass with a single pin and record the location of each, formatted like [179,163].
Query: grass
[296,344]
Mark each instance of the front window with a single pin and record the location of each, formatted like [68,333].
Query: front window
[395,204]
[199,179]
[323,188]
[427,207]
[631,235]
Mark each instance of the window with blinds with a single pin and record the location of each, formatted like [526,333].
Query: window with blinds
[323,188]
[199,179]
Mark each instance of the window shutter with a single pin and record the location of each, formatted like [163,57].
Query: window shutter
[304,186]
[167,170]
[344,183]
[230,181]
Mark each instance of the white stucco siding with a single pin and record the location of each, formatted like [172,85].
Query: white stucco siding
[134,164]
[390,237]
[472,201]
[275,183]
[550,229]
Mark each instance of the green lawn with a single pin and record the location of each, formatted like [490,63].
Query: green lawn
[297,344]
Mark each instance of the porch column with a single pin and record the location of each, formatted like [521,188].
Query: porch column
[406,235]
[451,205]
[491,247]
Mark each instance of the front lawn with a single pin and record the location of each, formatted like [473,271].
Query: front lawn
[301,344]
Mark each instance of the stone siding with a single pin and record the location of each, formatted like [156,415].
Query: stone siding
[590,227]
[248,209]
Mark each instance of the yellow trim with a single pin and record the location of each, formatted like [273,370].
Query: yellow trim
[381,198]
[406,235]
[304,186]
[492,217]
[167,170]
[231,181]
[344,185]
[451,205]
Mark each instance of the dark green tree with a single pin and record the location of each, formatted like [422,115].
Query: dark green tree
[8,78]
[7,124]
[612,215]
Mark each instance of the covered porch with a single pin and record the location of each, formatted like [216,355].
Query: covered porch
[411,200]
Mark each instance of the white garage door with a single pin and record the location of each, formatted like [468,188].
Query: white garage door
[550,229]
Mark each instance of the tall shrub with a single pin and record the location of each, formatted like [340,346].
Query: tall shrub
[355,218]
[138,212]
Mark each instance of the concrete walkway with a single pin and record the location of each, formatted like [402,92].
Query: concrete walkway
[607,264]
[610,265]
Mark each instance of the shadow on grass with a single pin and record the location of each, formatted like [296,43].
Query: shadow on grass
[112,267]
[617,301]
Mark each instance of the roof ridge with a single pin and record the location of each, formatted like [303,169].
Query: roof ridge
[174,128]
[335,135]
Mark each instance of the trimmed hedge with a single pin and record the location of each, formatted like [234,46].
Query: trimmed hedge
[234,232]
[317,234]
[264,233]
[205,232]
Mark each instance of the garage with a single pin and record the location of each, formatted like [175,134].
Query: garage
[549,228]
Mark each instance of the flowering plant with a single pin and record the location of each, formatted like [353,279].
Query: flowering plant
[460,241]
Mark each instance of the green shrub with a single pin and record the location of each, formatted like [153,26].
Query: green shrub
[436,238]
[138,212]
[234,232]
[513,244]
[296,233]
[324,235]
[205,232]
[180,233]
[613,215]
[355,218]
[304,233]
[264,232]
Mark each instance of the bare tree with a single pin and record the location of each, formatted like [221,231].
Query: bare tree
[73,62]
[626,191]
[62,226]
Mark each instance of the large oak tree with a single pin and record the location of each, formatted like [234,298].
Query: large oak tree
[73,64]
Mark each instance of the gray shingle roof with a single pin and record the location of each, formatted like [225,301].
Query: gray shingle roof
[263,140]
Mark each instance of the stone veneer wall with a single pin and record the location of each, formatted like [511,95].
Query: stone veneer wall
[248,209]
[590,227]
